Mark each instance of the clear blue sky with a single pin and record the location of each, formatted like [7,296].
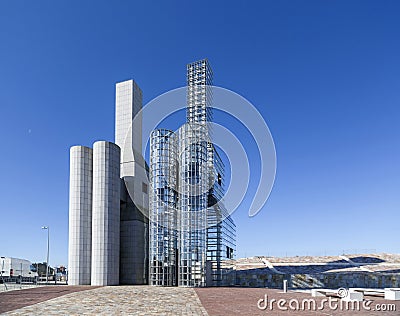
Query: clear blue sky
[324,74]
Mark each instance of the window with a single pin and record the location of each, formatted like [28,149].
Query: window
[144,187]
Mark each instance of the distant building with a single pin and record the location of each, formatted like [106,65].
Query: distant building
[16,268]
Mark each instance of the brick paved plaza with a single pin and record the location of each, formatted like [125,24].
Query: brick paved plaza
[147,300]
[112,300]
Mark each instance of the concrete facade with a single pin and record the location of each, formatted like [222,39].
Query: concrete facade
[108,236]
[134,183]
[134,227]
[128,136]
[106,214]
[80,215]
[133,248]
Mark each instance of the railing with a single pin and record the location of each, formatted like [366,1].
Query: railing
[18,283]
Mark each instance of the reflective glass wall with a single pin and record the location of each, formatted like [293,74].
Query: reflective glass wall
[163,212]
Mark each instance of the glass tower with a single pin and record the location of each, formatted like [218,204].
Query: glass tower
[193,188]
[190,230]
[163,207]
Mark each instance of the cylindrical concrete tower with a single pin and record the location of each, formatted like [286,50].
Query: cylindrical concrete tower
[106,214]
[80,215]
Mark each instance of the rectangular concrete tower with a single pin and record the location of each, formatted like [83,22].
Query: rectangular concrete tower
[134,184]
[80,215]
[128,136]
[106,214]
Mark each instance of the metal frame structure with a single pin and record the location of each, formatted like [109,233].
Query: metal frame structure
[199,92]
[194,175]
[193,187]
[221,230]
[163,206]
[190,230]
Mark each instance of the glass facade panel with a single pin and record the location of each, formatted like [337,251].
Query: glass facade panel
[190,230]
[163,200]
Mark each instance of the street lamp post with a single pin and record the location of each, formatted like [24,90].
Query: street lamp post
[48,250]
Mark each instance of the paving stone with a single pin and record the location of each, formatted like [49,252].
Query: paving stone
[121,300]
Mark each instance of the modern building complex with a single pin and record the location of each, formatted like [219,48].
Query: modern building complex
[190,230]
[108,233]
[164,224]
